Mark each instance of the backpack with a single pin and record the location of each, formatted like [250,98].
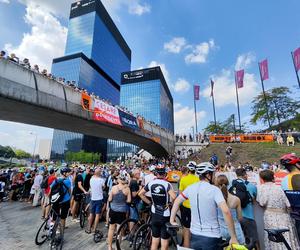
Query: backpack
[239,189]
[44,183]
[57,191]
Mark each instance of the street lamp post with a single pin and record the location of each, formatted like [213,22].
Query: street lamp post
[193,129]
[34,144]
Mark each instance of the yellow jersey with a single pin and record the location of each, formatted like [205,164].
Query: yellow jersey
[186,181]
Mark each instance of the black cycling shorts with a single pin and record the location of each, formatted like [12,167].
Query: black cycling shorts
[77,196]
[116,217]
[158,226]
[62,209]
[185,216]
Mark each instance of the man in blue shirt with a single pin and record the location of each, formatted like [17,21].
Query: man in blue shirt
[248,223]
[62,207]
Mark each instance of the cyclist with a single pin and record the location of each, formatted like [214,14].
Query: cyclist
[185,208]
[62,205]
[77,192]
[205,198]
[161,193]
[291,185]
[228,153]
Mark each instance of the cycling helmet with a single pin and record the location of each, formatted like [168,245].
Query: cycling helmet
[123,177]
[192,165]
[289,160]
[64,170]
[160,169]
[81,168]
[152,168]
[204,168]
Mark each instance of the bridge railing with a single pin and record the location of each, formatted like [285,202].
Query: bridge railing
[39,90]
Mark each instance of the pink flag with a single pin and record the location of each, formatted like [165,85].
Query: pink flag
[212,88]
[239,78]
[296,56]
[263,68]
[196,92]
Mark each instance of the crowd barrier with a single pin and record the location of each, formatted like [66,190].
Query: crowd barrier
[253,138]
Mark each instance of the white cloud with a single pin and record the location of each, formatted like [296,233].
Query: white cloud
[244,61]
[4,1]
[185,118]
[139,9]
[163,69]
[175,45]
[224,89]
[200,52]
[181,85]
[46,39]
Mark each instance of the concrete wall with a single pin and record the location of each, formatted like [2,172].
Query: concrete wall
[31,98]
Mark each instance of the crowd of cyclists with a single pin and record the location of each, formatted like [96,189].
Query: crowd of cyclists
[211,208]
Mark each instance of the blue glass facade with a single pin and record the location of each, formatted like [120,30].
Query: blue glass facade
[81,72]
[95,56]
[145,92]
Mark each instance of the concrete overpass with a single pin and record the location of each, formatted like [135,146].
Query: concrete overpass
[28,97]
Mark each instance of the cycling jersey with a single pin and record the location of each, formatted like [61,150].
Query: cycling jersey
[204,199]
[291,186]
[184,183]
[158,190]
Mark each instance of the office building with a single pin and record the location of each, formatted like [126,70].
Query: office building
[146,93]
[95,56]
[44,149]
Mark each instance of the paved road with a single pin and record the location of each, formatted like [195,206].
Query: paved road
[19,223]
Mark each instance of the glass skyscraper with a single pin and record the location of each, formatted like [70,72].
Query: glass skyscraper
[95,56]
[146,93]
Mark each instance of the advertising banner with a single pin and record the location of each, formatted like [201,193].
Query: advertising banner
[104,112]
[239,78]
[196,92]
[128,120]
[264,71]
[297,59]
[86,101]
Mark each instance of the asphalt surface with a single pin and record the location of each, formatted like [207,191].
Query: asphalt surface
[19,223]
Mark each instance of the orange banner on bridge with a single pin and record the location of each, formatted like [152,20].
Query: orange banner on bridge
[86,101]
[242,138]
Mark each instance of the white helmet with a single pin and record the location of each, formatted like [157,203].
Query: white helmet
[204,168]
[192,165]
[152,168]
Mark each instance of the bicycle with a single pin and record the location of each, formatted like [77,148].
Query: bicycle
[143,236]
[276,235]
[125,236]
[54,234]
[83,210]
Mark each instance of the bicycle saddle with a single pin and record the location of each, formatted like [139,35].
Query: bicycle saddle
[276,235]
[170,226]
[277,231]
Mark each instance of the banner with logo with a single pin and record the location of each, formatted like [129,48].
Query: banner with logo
[104,112]
[86,101]
[196,92]
[239,78]
[296,56]
[212,88]
[264,71]
[128,120]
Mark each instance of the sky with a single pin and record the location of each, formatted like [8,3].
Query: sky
[193,41]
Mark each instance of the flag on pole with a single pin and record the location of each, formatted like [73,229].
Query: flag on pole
[296,56]
[212,88]
[239,78]
[263,68]
[196,92]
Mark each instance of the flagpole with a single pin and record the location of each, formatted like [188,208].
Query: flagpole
[238,103]
[213,101]
[265,98]
[195,115]
[295,69]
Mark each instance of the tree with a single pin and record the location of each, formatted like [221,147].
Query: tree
[83,157]
[225,127]
[214,128]
[21,154]
[281,106]
[7,152]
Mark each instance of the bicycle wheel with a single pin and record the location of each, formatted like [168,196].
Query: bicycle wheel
[42,233]
[57,237]
[82,215]
[143,238]
[179,232]
[125,236]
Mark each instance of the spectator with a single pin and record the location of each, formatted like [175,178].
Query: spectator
[2,54]
[44,72]
[36,68]
[290,140]
[37,188]
[272,198]
[248,223]
[13,58]
[25,63]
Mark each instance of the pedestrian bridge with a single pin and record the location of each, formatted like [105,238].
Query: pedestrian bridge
[29,97]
